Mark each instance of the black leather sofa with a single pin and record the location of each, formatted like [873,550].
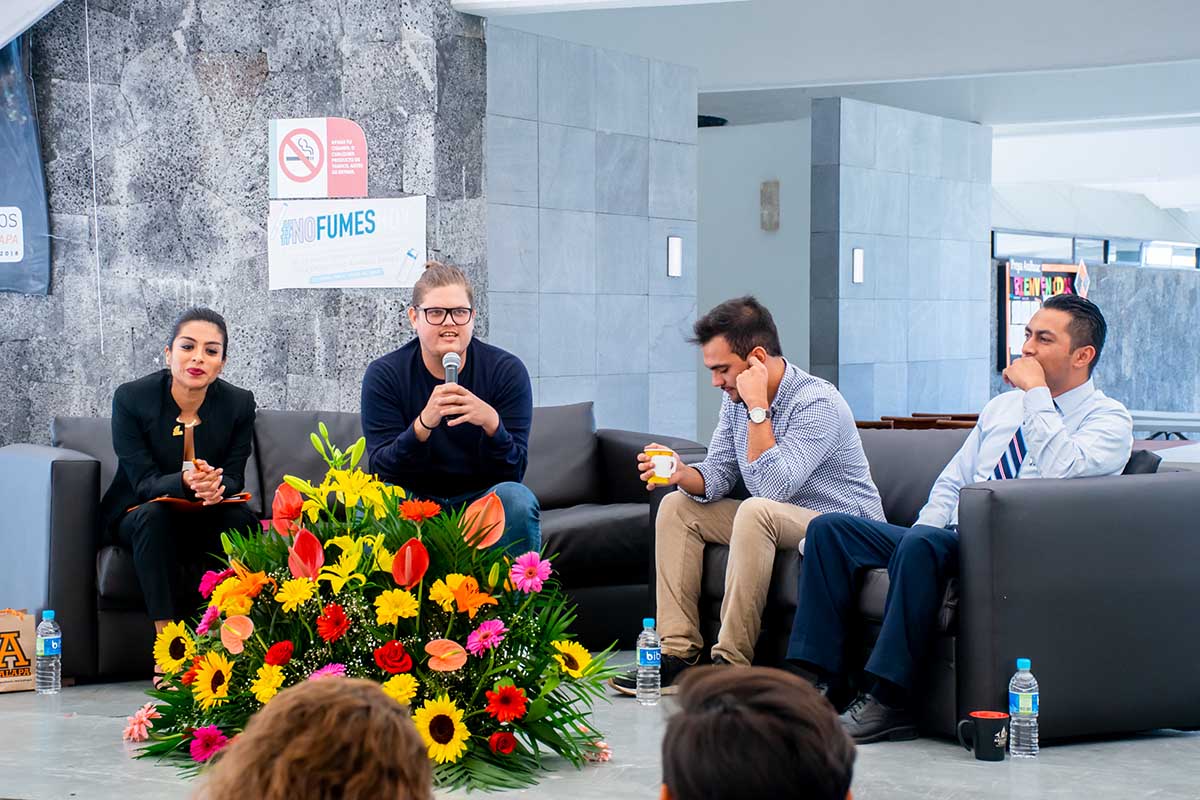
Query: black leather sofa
[595,522]
[1093,579]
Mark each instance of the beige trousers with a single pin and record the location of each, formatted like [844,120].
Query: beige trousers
[754,529]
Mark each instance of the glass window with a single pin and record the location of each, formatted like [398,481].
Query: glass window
[1176,255]
[1090,251]
[1032,246]
[1125,251]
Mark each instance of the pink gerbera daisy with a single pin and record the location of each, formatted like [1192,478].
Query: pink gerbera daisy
[212,580]
[486,636]
[207,742]
[138,729]
[528,572]
[206,622]
[328,671]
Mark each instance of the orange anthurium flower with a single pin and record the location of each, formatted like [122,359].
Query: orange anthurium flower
[484,521]
[285,509]
[445,655]
[470,599]
[234,632]
[306,556]
[410,563]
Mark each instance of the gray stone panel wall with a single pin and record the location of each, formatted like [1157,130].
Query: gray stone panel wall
[913,192]
[182,95]
[591,165]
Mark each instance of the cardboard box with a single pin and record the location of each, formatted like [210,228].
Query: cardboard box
[18,640]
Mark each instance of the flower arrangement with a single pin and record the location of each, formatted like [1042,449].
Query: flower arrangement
[354,579]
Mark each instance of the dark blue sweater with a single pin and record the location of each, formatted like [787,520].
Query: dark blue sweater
[453,461]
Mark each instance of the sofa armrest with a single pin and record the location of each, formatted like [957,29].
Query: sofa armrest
[1093,579]
[618,461]
[51,498]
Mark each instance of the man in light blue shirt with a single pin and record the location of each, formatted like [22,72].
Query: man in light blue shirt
[1056,424]
[790,437]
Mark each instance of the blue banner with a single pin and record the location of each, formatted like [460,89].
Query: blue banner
[24,219]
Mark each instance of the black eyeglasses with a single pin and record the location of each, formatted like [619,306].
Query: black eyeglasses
[436,316]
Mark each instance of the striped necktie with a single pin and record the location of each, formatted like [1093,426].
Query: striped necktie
[1009,465]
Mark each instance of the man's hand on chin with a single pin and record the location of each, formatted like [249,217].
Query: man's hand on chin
[1025,374]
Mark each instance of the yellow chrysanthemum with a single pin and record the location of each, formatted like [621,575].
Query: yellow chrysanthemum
[173,648]
[267,682]
[442,591]
[440,724]
[572,657]
[231,598]
[294,593]
[401,688]
[393,605]
[211,687]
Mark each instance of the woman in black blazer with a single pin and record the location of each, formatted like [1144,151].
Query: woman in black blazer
[182,433]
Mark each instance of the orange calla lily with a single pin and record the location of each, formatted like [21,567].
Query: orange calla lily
[484,521]
[306,556]
[234,632]
[410,563]
[445,655]
[470,599]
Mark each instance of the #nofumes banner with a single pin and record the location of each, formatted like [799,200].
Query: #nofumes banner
[24,222]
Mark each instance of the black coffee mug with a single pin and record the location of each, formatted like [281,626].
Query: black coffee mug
[988,734]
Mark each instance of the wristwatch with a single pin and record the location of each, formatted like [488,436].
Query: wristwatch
[758,415]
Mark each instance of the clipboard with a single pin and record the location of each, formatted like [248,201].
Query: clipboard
[183,504]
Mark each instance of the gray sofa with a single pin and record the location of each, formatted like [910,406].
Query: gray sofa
[595,521]
[1093,579]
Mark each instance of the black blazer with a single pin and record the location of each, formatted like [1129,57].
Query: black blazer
[150,451]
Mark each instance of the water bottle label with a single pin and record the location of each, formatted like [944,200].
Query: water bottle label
[49,645]
[1022,703]
[649,657]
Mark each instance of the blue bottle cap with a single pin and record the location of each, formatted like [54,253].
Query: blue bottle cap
[648,622]
[1023,663]
[48,614]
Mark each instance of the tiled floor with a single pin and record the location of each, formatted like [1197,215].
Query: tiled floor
[70,747]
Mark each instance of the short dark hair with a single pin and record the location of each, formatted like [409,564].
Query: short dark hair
[1087,323]
[200,314]
[744,322]
[754,732]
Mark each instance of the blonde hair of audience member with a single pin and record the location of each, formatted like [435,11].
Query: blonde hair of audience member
[319,740]
[754,732]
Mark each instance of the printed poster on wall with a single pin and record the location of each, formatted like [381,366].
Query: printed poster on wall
[333,244]
[317,157]
[24,216]
[1024,285]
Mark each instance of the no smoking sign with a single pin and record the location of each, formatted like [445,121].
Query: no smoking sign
[318,157]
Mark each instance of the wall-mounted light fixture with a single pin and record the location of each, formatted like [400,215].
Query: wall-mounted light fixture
[856,273]
[674,256]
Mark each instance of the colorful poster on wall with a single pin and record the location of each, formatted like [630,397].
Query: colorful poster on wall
[317,157]
[331,244]
[1024,285]
[24,217]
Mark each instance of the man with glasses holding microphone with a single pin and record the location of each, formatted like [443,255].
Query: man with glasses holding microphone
[447,416]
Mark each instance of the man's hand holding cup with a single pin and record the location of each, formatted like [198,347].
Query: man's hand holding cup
[658,466]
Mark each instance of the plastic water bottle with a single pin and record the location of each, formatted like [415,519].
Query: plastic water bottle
[649,686]
[48,670]
[1023,712]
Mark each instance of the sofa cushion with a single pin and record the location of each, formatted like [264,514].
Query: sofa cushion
[282,440]
[598,545]
[1142,462]
[563,466]
[872,598]
[904,465]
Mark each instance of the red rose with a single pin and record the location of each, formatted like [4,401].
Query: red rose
[332,624]
[279,654]
[502,742]
[391,658]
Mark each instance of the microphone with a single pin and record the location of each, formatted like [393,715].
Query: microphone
[451,362]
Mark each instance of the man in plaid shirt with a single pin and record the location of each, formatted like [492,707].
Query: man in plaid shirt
[790,438]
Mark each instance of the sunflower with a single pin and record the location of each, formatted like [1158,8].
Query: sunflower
[211,687]
[173,648]
[394,604]
[295,592]
[267,682]
[440,724]
[401,688]
[572,657]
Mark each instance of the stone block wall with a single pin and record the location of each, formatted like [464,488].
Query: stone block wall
[181,98]
[591,165]
[913,191]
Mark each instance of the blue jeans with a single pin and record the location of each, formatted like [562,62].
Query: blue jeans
[522,515]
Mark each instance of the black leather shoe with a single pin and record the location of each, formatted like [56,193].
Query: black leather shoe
[670,668]
[719,661]
[868,720]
